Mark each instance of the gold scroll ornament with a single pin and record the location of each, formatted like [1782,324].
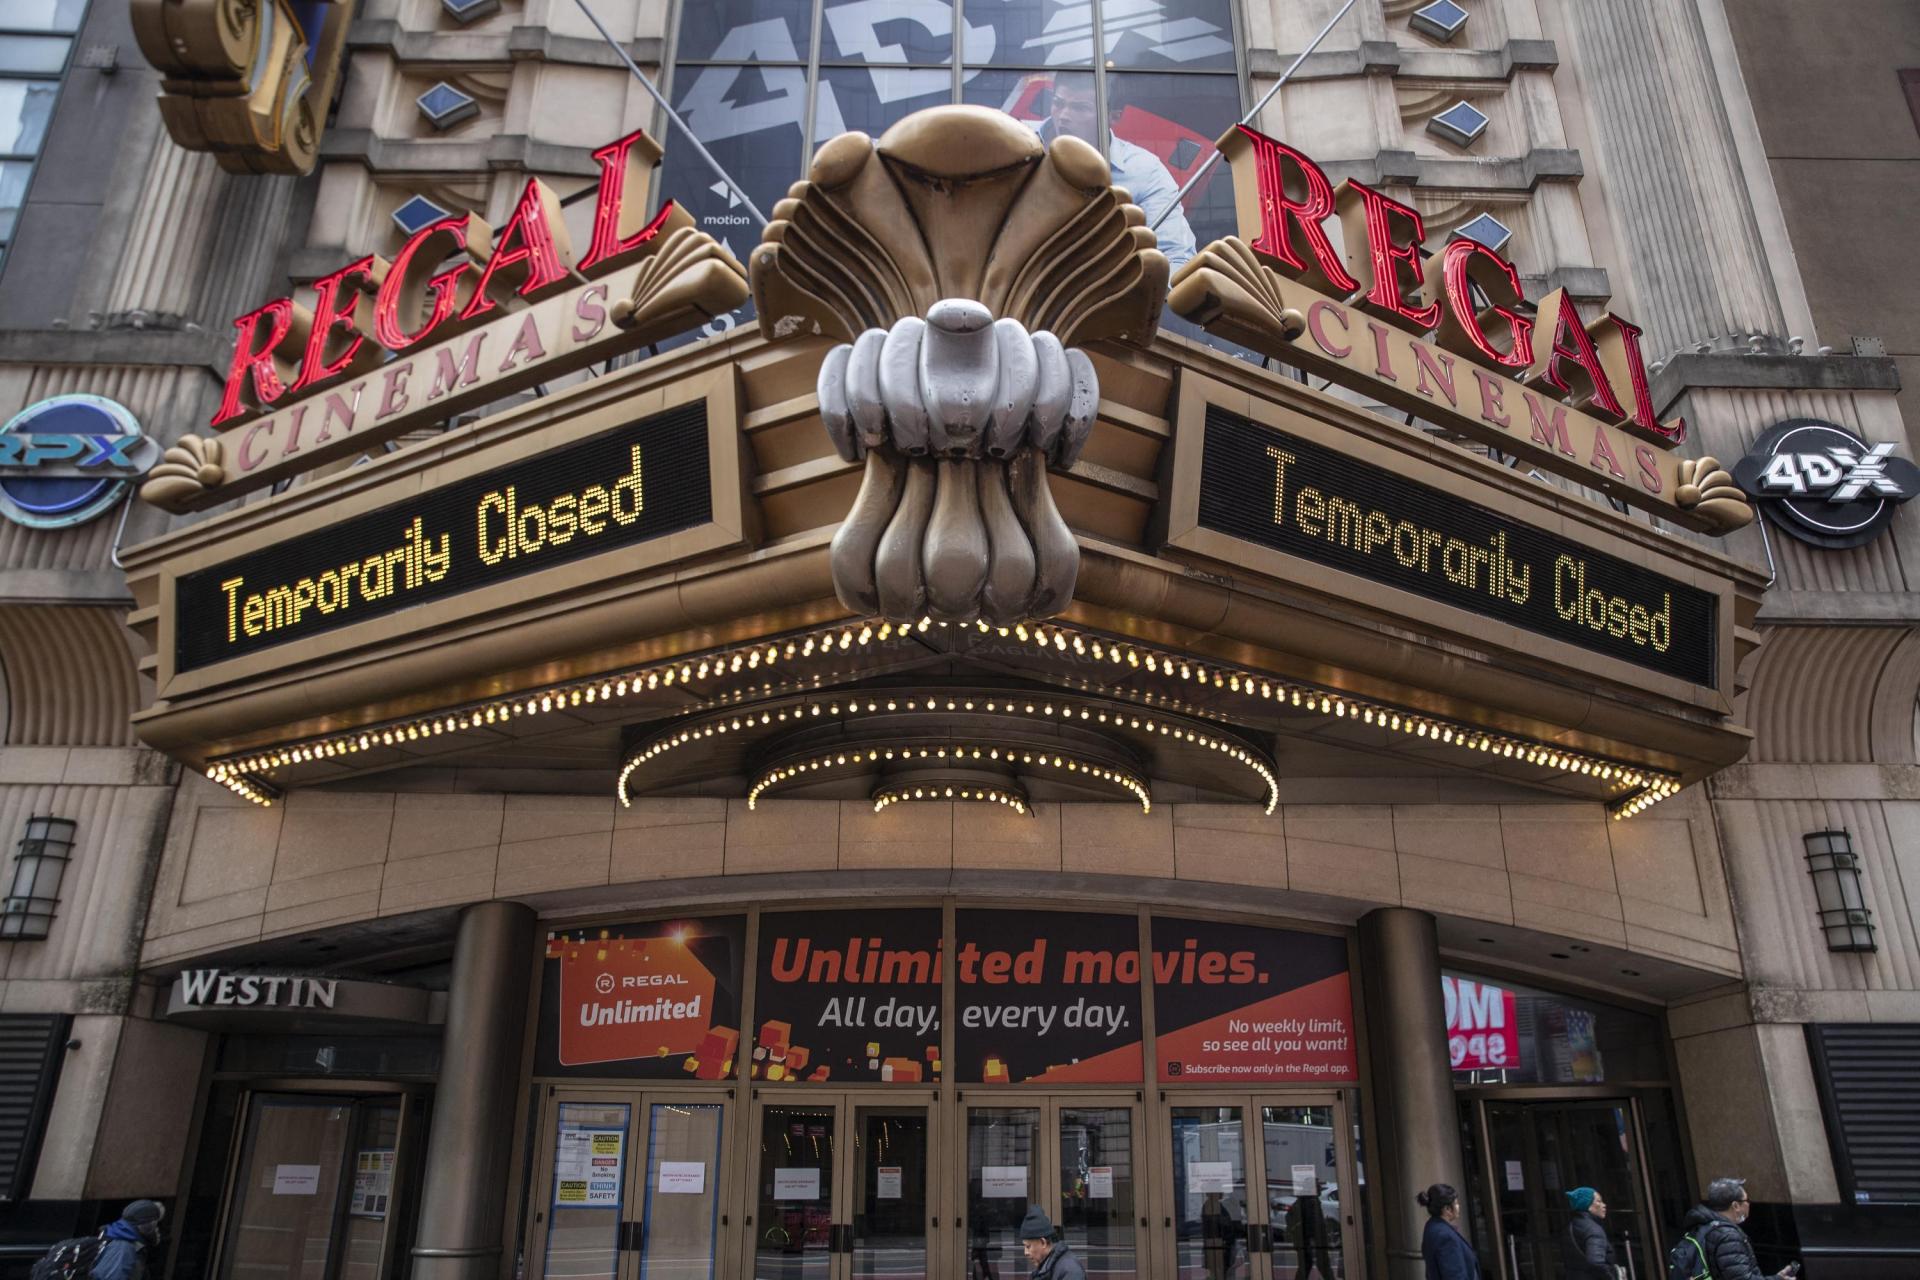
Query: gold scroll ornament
[243,78]
[958,260]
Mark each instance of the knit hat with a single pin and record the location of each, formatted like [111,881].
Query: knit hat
[1581,1198]
[1036,1225]
[144,1213]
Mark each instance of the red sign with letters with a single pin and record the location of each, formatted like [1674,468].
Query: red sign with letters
[624,998]
[1481,1035]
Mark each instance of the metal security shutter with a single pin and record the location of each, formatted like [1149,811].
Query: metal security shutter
[31,1050]
[1867,1076]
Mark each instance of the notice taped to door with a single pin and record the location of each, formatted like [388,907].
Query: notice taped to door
[372,1183]
[588,1164]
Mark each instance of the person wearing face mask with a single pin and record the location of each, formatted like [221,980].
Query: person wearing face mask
[1585,1251]
[1713,1232]
[127,1241]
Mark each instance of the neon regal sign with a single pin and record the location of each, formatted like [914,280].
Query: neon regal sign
[1564,394]
[460,316]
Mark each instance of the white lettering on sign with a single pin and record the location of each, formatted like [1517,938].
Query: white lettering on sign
[1480,1025]
[1846,472]
[210,988]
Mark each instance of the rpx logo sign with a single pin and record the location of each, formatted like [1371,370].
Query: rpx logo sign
[66,459]
[88,453]
[1824,484]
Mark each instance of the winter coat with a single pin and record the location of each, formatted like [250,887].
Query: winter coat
[1060,1264]
[1585,1251]
[1448,1255]
[1729,1252]
[124,1255]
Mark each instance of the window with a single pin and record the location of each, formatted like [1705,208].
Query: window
[1499,1032]
[36,39]
[762,82]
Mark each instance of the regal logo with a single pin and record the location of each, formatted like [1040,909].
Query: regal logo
[1446,338]
[461,315]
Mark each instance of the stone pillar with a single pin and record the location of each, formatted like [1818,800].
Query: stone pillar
[1418,1138]
[470,1146]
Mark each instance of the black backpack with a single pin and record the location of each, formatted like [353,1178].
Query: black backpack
[1687,1260]
[69,1260]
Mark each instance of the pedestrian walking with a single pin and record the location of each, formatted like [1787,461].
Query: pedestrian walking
[1447,1253]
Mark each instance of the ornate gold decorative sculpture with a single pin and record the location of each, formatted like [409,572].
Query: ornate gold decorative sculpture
[959,258]
[1707,488]
[244,78]
[184,472]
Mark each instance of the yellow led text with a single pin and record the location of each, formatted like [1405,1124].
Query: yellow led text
[417,560]
[1591,607]
[508,529]
[1346,523]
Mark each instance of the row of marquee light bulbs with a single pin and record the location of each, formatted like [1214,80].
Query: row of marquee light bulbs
[1640,786]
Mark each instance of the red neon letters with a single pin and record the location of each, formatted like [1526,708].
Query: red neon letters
[283,347]
[1288,203]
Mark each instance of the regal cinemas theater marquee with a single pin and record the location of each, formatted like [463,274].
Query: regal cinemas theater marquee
[963,443]
[994,704]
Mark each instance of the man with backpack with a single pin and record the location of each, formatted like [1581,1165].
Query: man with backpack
[1715,1248]
[119,1252]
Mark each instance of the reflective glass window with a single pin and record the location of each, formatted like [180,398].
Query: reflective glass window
[42,15]
[35,41]
[764,83]
[1503,1033]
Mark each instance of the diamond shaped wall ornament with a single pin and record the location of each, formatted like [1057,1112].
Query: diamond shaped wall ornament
[1484,229]
[1461,124]
[418,212]
[1441,20]
[445,106]
[470,10]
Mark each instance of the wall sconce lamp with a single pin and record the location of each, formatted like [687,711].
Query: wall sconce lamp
[1835,869]
[38,868]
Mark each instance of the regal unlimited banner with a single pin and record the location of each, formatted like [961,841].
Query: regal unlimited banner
[1049,997]
[1235,1002]
[848,997]
[657,1001]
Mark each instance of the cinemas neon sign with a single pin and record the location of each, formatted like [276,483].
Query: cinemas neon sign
[286,348]
[461,315]
[1448,337]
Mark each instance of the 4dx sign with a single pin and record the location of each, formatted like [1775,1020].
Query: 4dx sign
[1825,485]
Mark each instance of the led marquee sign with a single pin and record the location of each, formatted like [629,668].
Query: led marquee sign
[630,485]
[1278,490]
[1542,384]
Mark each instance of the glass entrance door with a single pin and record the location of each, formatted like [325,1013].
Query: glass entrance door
[843,1188]
[1541,1150]
[1263,1188]
[630,1187]
[315,1192]
[1077,1158]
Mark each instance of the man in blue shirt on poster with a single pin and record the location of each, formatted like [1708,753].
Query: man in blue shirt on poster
[1072,112]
